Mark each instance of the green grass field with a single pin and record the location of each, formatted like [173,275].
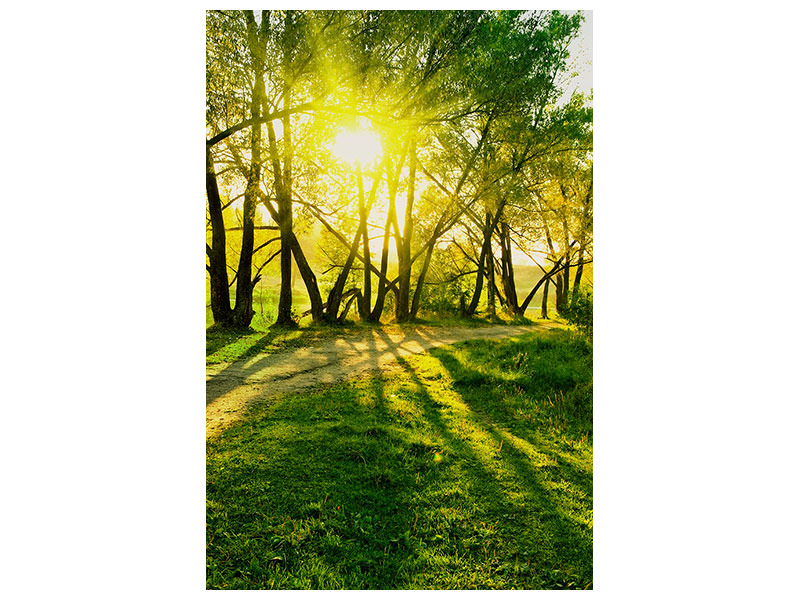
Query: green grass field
[468,468]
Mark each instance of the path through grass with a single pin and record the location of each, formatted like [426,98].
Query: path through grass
[469,468]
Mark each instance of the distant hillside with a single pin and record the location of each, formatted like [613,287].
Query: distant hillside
[526,277]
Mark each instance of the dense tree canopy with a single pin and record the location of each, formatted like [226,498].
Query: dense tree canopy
[395,160]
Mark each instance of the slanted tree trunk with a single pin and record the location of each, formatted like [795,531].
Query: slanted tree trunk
[441,226]
[578,274]
[353,294]
[336,295]
[243,310]
[561,304]
[217,268]
[547,277]
[393,180]
[421,281]
[559,292]
[489,226]
[380,297]
[485,247]
[509,286]
[310,280]
[497,292]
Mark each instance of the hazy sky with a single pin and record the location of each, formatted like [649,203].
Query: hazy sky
[580,58]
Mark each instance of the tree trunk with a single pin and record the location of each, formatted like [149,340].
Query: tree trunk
[421,281]
[490,274]
[562,288]
[543,314]
[243,310]
[285,295]
[563,299]
[509,286]
[365,302]
[218,269]
[486,248]
[310,280]
[578,274]
[286,223]
[336,294]
[487,240]
[380,299]
[559,295]
[355,295]
[284,219]
[557,267]
[404,248]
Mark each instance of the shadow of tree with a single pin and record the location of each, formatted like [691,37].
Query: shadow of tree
[497,419]
[396,481]
[219,339]
[508,488]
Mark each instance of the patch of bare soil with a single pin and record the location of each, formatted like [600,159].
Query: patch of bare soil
[232,389]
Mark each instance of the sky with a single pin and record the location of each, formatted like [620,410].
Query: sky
[580,60]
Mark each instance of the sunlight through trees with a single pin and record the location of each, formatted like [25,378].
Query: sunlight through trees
[394,163]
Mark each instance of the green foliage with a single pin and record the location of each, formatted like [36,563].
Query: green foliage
[580,313]
[443,299]
[469,468]
[445,78]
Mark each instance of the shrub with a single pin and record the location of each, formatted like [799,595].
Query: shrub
[580,313]
[443,299]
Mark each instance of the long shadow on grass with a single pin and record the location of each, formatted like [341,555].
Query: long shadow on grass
[234,376]
[562,549]
[218,339]
[325,491]
[330,515]
[521,440]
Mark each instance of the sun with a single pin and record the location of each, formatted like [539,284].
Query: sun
[360,147]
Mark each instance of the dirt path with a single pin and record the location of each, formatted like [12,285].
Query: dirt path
[232,389]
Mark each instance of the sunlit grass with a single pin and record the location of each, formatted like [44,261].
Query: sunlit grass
[225,346]
[423,478]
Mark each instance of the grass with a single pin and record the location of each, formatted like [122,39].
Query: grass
[470,467]
[226,345]
[229,345]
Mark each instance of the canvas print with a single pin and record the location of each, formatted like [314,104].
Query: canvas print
[399,252]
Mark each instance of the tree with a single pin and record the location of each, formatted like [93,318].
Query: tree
[463,102]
